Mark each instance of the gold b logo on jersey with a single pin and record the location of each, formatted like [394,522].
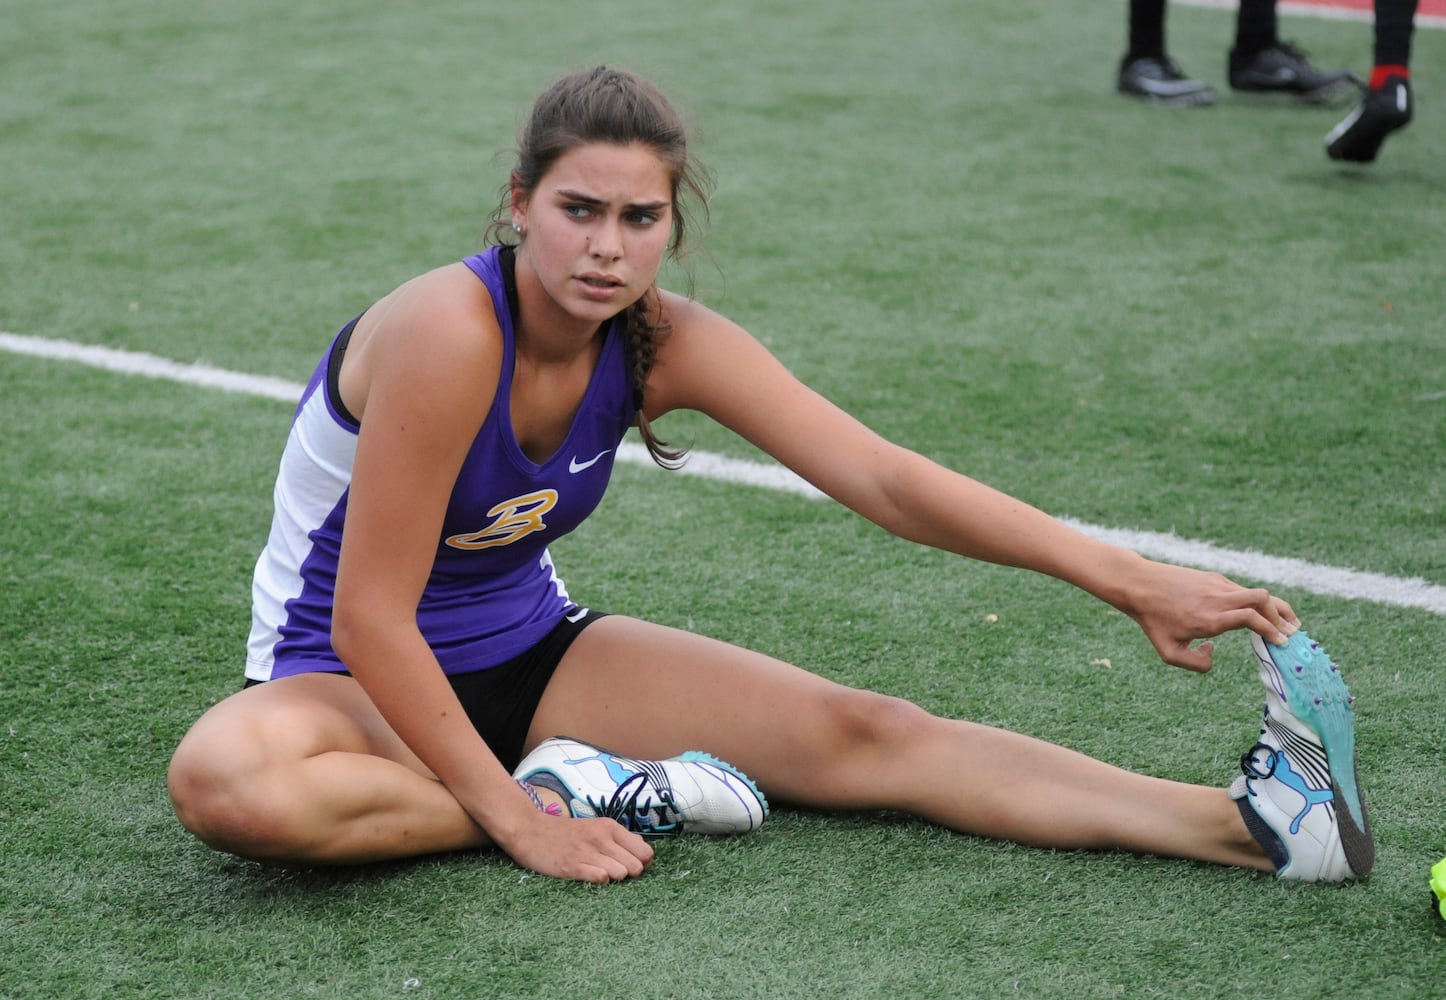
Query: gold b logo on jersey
[514,519]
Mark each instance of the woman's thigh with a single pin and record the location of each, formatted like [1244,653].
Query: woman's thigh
[649,691]
[293,718]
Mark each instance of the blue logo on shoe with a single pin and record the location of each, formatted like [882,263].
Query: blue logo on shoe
[616,771]
[1280,768]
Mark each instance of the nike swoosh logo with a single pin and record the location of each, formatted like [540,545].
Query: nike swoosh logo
[574,466]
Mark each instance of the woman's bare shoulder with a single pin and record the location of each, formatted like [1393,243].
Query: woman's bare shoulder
[434,329]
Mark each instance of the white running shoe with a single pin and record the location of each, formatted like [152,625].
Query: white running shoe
[693,792]
[1298,793]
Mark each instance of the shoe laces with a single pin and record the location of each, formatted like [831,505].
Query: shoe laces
[1292,50]
[640,817]
[1254,768]
[1172,71]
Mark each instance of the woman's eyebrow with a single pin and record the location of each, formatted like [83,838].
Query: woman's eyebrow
[587,199]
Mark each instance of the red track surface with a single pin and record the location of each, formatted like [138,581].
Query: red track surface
[1432,8]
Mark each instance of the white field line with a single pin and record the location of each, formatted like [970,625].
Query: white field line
[1296,574]
[151,366]
[1318,10]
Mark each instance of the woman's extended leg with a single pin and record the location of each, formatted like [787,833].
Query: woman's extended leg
[649,692]
[305,770]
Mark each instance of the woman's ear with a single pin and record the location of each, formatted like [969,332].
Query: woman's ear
[518,199]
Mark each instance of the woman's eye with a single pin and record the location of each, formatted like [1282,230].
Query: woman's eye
[576,211]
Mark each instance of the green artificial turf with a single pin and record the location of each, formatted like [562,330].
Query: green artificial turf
[940,215]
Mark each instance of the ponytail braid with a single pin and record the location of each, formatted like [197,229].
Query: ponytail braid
[643,335]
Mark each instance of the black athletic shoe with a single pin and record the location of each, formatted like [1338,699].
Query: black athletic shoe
[1161,81]
[1359,135]
[1284,69]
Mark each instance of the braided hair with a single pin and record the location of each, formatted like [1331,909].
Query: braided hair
[609,105]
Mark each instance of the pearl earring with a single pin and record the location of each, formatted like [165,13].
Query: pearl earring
[517,228]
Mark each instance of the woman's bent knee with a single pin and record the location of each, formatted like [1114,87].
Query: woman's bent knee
[228,791]
[234,779]
[210,795]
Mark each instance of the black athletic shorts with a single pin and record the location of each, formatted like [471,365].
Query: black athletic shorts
[502,700]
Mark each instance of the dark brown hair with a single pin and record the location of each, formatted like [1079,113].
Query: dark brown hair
[608,105]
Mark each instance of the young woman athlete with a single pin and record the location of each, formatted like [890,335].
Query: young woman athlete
[411,642]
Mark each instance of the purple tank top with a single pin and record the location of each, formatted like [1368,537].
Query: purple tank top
[493,591]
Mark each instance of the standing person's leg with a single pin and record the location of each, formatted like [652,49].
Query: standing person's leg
[649,692]
[1147,71]
[1146,29]
[1395,23]
[1256,28]
[1260,62]
[1388,103]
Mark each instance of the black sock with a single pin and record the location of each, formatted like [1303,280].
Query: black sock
[1147,30]
[1395,21]
[1255,26]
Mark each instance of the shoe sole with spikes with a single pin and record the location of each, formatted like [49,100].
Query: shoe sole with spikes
[1306,694]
